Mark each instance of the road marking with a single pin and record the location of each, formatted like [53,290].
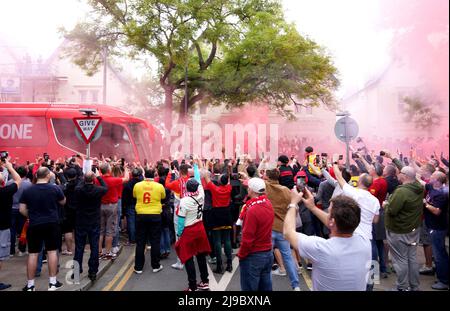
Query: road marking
[307,279]
[226,278]
[124,280]
[119,274]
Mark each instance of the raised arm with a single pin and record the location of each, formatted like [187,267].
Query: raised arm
[364,163]
[329,178]
[338,174]
[15,176]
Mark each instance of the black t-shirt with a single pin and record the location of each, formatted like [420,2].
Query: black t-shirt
[42,203]
[6,200]
[439,199]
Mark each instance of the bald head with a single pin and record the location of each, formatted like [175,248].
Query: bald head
[407,174]
[43,173]
[365,181]
[389,170]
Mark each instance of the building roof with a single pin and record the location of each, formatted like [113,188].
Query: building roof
[373,82]
[57,53]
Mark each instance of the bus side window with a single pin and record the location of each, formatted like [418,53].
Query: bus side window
[65,135]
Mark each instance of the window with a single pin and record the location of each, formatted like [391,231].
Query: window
[114,139]
[66,136]
[141,139]
[83,96]
[94,96]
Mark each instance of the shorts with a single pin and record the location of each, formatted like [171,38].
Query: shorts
[108,219]
[47,234]
[68,225]
[425,237]
[5,244]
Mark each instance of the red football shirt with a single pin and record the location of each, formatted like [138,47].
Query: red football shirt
[114,187]
[221,195]
[379,189]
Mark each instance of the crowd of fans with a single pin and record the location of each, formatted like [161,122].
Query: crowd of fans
[346,223]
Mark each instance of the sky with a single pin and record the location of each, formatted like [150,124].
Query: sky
[346,28]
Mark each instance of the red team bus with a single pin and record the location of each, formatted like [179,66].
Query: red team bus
[28,130]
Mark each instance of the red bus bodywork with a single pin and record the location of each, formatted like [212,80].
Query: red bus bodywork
[28,130]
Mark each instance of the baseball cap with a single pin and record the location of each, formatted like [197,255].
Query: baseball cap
[257,185]
[192,185]
[283,159]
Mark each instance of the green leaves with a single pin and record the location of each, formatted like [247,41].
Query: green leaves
[419,113]
[235,51]
[273,64]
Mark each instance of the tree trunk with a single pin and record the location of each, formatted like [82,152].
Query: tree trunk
[168,107]
[183,113]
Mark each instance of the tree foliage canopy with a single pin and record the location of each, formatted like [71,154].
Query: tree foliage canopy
[232,51]
[419,113]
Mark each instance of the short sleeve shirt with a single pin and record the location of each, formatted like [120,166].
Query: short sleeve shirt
[370,207]
[148,196]
[114,188]
[339,264]
[42,203]
[191,207]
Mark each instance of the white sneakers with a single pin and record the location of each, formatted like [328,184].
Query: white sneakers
[115,250]
[279,272]
[296,289]
[158,269]
[178,265]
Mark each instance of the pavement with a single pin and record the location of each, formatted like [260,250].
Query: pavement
[118,275]
[14,272]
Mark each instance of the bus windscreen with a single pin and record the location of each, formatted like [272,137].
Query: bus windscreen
[140,136]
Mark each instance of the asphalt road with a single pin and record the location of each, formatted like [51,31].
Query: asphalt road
[120,277]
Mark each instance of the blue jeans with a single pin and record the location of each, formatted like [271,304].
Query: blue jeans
[219,237]
[131,223]
[92,235]
[256,271]
[280,242]
[440,254]
[165,241]
[378,254]
[119,215]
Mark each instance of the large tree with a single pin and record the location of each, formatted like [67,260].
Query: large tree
[229,51]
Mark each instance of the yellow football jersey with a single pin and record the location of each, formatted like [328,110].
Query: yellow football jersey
[148,196]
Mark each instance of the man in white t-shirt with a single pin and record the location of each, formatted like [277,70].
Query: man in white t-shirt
[370,206]
[342,262]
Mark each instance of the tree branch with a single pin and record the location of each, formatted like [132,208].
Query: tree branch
[113,11]
[163,79]
[194,99]
[201,62]
[212,54]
